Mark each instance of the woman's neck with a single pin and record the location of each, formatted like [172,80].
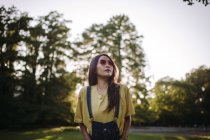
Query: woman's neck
[102,83]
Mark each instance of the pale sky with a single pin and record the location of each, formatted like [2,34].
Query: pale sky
[176,36]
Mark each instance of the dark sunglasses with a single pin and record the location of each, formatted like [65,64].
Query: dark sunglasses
[104,62]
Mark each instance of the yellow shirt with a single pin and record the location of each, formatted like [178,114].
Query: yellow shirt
[99,104]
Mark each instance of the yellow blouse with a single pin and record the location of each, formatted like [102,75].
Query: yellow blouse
[99,104]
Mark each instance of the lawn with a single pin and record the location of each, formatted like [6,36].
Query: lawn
[63,133]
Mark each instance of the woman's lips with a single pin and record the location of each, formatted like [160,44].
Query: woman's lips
[107,70]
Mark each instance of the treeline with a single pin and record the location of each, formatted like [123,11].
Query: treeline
[36,89]
[183,102]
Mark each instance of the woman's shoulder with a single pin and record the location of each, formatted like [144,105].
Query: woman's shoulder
[124,89]
[82,90]
[123,86]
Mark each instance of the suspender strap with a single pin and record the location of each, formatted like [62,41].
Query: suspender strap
[116,114]
[89,102]
[117,106]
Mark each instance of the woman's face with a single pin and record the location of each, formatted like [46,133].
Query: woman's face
[104,67]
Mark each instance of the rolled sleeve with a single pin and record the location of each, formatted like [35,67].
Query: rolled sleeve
[129,104]
[78,118]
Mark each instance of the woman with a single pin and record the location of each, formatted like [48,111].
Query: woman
[104,108]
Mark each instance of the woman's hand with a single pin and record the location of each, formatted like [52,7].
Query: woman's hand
[87,138]
[127,124]
[84,132]
[124,138]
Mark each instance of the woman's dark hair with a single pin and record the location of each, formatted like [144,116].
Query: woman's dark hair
[113,86]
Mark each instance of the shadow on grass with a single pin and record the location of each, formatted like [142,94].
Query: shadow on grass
[42,134]
[70,133]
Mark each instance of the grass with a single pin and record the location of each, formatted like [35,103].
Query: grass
[165,137]
[63,133]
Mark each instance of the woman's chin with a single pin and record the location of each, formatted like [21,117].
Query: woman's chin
[106,75]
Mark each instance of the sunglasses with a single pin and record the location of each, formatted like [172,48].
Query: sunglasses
[104,62]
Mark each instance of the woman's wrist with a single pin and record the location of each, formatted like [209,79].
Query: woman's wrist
[87,137]
[124,137]
[125,134]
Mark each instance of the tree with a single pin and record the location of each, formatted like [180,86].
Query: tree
[174,103]
[204,2]
[13,25]
[35,86]
[118,38]
[54,52]
[200,79]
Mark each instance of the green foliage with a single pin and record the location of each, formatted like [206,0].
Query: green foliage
[35,86]
[144,116]
[174,101]
[183,102]
[200,79]
[13,24]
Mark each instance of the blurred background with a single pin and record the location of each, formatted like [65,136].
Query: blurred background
[161,48]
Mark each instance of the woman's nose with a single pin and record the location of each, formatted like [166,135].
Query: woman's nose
[107,65]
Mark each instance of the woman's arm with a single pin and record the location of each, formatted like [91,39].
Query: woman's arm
[84,131]
[127,125]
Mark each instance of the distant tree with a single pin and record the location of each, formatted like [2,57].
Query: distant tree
[199,78]
[175,103]
[144,116]
[204,2]
[185,102]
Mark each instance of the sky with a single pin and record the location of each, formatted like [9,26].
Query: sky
[176,35]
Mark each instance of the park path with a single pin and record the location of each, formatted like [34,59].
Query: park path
[171,130]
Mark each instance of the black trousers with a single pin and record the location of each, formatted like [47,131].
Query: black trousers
[105,131]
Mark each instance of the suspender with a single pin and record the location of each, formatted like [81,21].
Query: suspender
[116,114]
[89,102]
[117,106]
